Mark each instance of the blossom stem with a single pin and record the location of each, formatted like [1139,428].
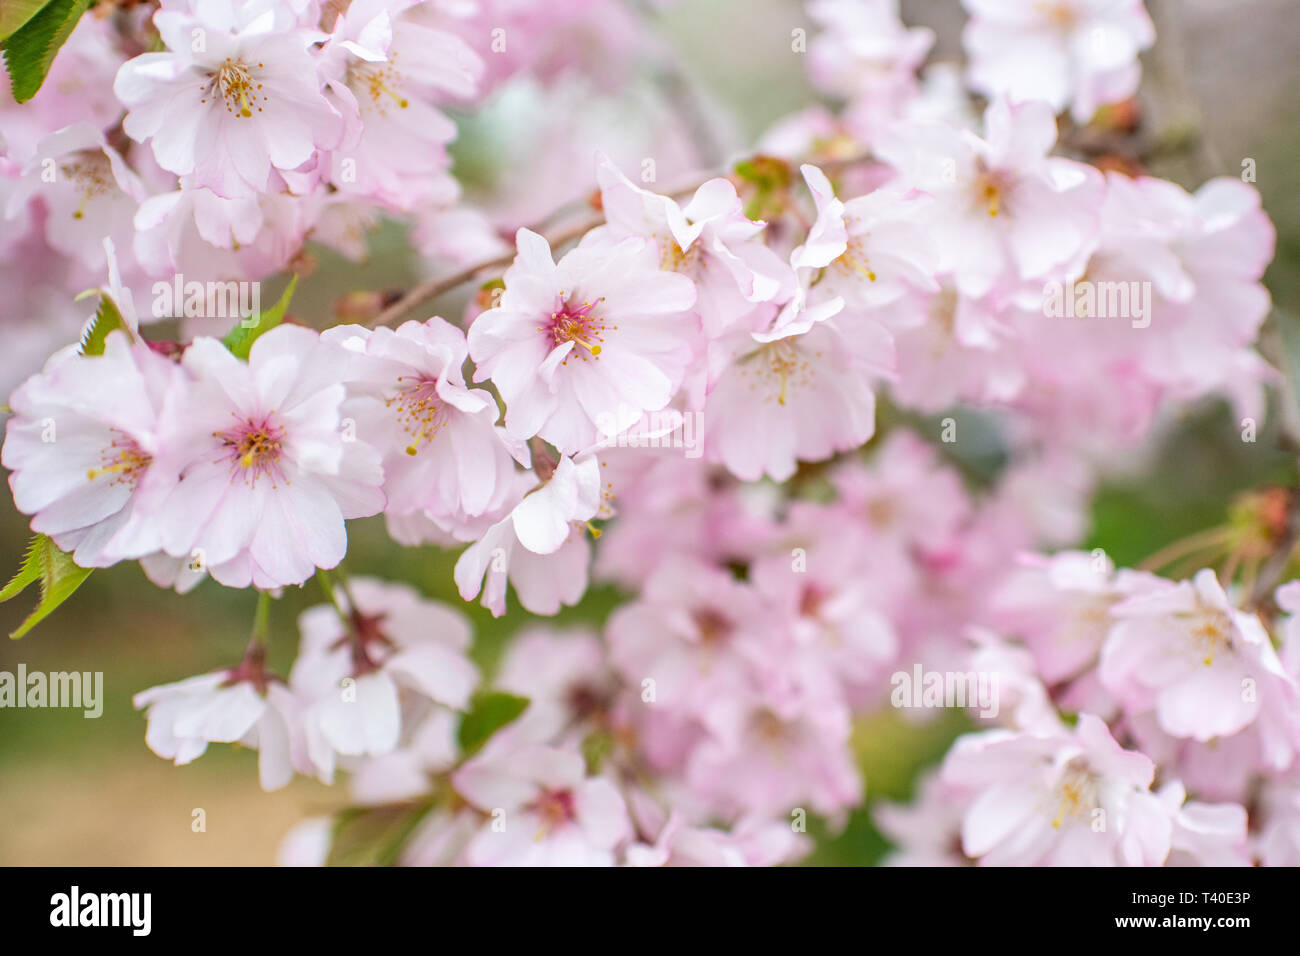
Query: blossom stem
[1183,547]
[327,585]
[262,619]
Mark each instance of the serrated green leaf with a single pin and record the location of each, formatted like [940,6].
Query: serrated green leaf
[58,575]
[30,50]
[488,713]
[107,319]
[241,338]
[14,13]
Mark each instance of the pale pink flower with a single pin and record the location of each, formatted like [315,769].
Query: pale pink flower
[387,70]
[89,193]
[772,749]
[363,682]
[1077,53]
[427,746]
[542,809]
[926,832]
[801,392]
[236,95]
[582,348]
[78,89]
[751,842]
[1204,667]
[693,632]
[866,56]
[1204,834]
[886,253]
[1073,798]
[829,611]
[539,546]
[566,680]
[1060,608]
[1004,211]
[235,706]
[709,239]
[204,237]
[84,434]
[256,473]
[442,451]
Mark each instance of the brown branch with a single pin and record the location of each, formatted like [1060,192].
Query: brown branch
[431,288]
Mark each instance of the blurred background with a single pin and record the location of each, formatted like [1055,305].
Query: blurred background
[88,791]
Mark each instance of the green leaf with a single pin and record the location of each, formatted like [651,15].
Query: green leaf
[374,836]
[14,13]
[58,575]
[488,713]
[107,319]
[769,180]
[596,746]
[30,50]
[241,338]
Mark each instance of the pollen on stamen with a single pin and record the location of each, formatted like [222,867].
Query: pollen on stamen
[577,324]
[254,449]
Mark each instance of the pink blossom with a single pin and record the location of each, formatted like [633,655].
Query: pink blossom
[539,546]
[709,239]
[86,432]
[89,191]
[396,654]
[387,70]
[1003,210]
[442,451]
[542,810]
[1077,53]
[583,347]
[232,102]
[255,475]
[1185,652]
[1071,798]
[224,707]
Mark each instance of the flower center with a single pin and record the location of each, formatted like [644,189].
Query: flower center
[254,448]
[990,190]
[555,808]
[1061,15]
[1211,633]
[576,324]
[378,82]
[89,171]
[419,411]
[777,366]
[854,259]
[124,460]
[235,82]
[1076,793]
[674,259]
[711,626]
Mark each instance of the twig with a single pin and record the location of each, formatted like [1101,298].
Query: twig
[430,288]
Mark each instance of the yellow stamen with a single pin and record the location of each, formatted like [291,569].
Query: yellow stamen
[109,469]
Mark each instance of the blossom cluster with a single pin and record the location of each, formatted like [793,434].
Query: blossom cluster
[680,402]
